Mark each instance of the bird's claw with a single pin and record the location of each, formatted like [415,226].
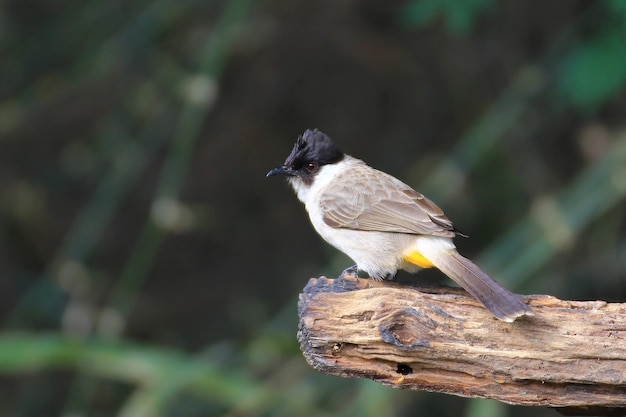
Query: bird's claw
[350,271]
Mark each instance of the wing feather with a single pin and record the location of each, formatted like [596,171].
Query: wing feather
[384,204]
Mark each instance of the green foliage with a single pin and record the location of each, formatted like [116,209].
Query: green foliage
[617,9]
[595,72]
[460,16]
[485,408]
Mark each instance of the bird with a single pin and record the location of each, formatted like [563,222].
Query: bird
[383,224]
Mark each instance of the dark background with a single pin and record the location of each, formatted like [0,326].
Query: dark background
[148,267]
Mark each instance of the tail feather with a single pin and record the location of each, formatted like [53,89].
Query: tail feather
[502,303]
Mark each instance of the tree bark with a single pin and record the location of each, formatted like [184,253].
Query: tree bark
[570,355]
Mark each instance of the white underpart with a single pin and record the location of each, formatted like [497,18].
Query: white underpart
[377,253]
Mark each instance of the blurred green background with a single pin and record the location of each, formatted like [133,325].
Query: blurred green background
[148,267]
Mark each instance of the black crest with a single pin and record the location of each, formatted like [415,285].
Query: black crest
[313,146]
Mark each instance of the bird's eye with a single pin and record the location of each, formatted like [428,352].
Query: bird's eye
[312,167]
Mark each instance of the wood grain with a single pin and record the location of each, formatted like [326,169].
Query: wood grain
[570,355]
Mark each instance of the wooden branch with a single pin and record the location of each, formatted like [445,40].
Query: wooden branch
[571,355]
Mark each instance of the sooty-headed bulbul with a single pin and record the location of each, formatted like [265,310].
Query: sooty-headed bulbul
[383,224]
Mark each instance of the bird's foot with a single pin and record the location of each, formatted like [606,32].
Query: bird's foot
[350,271]
[390,277]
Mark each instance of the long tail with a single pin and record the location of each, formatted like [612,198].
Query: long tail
[502,303]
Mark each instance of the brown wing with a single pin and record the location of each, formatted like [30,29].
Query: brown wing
[382,203]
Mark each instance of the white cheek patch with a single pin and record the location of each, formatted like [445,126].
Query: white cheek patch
[324,176]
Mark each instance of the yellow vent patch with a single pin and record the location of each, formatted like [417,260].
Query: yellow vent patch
[418,259]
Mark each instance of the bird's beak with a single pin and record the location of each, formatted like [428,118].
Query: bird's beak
[281,170]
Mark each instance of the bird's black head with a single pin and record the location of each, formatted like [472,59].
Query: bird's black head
[311,152]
